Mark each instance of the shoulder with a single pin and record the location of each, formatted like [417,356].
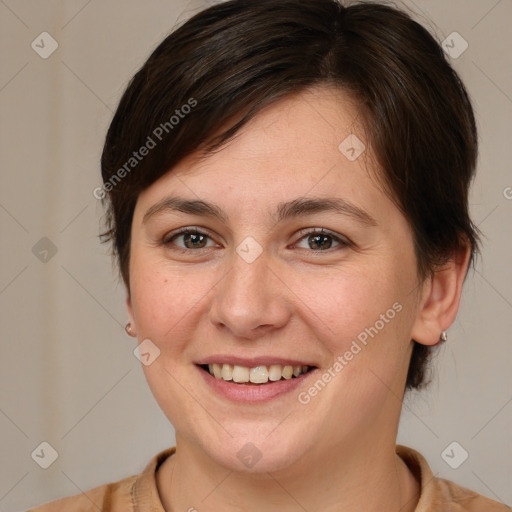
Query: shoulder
[112,497]
[440,495]
[134,493]
[462,499]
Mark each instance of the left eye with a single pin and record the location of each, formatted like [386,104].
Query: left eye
[320,241]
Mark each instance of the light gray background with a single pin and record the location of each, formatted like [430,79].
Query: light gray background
[68,373]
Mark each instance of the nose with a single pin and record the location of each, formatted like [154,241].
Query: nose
[251,300]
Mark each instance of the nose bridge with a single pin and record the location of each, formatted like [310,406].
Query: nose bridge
[249,297]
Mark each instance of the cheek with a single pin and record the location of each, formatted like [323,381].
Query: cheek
[360,316]
[343,302]
[163,299]
[164,302]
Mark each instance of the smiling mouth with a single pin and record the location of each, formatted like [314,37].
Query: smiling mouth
[257,374]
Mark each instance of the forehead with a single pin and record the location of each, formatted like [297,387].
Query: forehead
[304,125]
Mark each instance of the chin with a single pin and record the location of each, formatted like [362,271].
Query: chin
[260,453]
[250,459]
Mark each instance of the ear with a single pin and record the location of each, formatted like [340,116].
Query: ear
[440,299]
[131,319]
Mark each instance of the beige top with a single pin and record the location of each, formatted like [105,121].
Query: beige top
[139,493]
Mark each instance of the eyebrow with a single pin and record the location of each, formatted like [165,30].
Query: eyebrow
[296,208]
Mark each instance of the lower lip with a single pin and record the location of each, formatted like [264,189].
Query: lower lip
[253,392]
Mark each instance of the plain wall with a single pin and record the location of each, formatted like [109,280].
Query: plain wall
[68,375]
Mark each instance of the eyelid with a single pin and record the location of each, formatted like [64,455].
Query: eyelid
[179,231]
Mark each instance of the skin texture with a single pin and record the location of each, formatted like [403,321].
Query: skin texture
[293,301]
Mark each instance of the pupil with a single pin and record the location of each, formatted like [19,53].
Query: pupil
[320,242]
[191,240]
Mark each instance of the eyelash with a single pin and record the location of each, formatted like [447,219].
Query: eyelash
[342,242]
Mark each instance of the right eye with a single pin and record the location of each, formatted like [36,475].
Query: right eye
[187,239]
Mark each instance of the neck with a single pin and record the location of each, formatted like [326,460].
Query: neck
[366,476]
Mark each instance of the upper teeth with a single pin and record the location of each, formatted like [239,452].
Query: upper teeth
[257,374]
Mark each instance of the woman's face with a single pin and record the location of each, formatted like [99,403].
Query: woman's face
[292,256]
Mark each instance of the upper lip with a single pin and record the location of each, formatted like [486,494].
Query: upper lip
[251,362]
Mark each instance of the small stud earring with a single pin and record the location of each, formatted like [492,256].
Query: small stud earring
[443,337]
[128,329]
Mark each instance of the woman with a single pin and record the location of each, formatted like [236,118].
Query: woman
[287,193]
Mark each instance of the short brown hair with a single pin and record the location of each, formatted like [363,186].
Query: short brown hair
[235,58]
